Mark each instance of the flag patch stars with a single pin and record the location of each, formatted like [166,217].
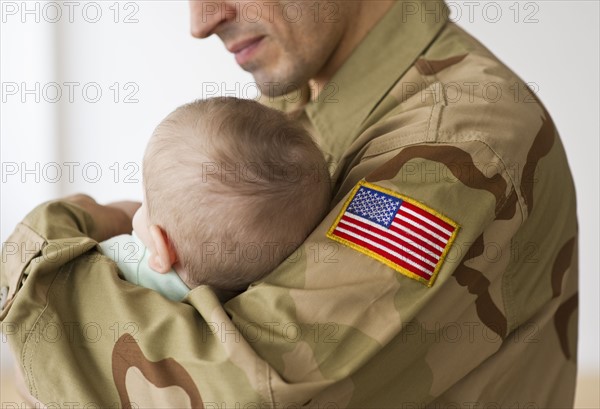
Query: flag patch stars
[396,230]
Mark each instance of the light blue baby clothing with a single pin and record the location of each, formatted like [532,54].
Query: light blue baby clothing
[132,256]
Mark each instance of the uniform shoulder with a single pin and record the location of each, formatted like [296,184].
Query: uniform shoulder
[457,92]
[482,98]
[459,96]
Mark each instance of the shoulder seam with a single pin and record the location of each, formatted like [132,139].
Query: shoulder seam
[513,185]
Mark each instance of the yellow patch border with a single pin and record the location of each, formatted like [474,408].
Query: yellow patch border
[381,259]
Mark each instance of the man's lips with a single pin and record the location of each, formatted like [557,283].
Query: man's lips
[244,49]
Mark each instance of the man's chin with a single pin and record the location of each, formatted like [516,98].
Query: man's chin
[273,86]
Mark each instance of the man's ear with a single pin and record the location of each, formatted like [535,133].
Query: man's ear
[164,256]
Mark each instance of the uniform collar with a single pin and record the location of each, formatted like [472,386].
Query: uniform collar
[378,62]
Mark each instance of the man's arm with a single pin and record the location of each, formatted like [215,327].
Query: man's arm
[108,221]
[334,324]
[81,334]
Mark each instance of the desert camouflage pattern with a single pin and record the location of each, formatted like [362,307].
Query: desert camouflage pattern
[420,108]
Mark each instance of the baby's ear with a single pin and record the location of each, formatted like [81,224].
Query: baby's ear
[164,256]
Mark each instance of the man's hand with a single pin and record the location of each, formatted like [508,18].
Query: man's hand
[110,220]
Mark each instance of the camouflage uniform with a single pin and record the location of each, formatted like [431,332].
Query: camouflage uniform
[420,110]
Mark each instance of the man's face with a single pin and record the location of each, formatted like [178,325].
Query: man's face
[284,42]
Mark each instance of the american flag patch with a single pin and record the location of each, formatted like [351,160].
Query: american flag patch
[396,230]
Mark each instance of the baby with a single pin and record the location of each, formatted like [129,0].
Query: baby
[232,188]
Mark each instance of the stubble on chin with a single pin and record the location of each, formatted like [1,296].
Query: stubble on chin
[282,80]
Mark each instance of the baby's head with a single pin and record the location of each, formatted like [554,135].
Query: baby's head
[231,189]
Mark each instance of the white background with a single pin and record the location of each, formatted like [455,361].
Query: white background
[156,66]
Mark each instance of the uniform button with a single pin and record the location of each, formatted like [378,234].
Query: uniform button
[3,297]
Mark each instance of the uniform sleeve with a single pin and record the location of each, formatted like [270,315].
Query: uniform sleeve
[64,223]
[83,336]
[398,294]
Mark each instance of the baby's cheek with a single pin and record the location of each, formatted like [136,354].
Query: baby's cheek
[140,226]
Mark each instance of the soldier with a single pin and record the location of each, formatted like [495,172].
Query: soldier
[445,274]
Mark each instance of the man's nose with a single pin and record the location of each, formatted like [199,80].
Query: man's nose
[207,15]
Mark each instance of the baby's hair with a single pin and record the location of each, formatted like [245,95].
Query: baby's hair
[236,185]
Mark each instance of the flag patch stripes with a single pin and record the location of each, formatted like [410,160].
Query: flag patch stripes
[396,230]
